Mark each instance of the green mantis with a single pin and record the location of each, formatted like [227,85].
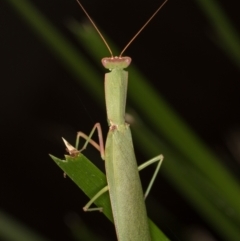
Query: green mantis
[124,185]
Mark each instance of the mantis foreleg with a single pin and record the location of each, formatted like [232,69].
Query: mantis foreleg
[99,147]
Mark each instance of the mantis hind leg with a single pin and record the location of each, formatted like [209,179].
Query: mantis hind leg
[86,207]
[158,159]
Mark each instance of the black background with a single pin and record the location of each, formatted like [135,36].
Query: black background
[40,102]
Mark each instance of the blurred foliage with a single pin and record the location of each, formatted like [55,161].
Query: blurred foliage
[12,230]
[190,165]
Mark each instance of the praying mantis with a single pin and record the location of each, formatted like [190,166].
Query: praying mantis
[123,181]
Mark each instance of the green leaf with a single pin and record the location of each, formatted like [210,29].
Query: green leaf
[90,179]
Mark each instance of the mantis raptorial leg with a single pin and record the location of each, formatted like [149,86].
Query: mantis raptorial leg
[122,172]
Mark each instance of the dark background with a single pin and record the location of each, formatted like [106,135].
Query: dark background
[41,102]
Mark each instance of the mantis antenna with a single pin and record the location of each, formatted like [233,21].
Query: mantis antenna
[132,39]
[141,29]
[95,26]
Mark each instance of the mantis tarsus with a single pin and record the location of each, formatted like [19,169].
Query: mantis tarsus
[124,185]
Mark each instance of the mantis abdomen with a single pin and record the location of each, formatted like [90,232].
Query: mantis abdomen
[124,185]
